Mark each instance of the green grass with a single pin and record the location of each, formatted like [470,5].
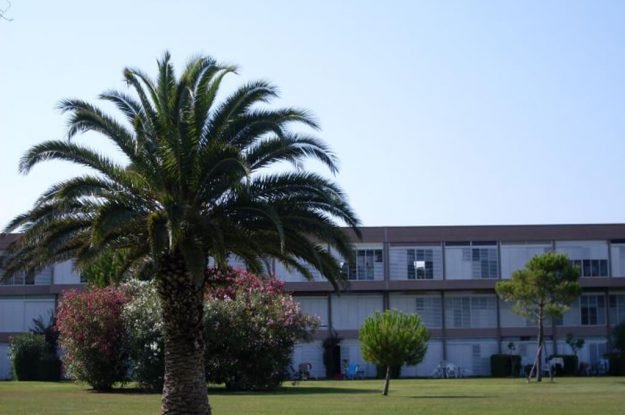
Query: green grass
[567,396]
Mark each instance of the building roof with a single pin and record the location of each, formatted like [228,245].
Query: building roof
[512,233]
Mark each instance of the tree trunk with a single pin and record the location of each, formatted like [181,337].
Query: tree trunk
[184,390]
[387,380]
[541,336]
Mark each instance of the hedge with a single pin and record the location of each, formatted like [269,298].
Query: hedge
[505,365]
[31,360]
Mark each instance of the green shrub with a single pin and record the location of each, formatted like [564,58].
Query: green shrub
[618,337]
[144,326]
[93,337]
[27,350]
[251,327]
[505,365]
[617,363]
[50,368]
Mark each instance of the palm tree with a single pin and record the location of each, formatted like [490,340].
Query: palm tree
[196,182]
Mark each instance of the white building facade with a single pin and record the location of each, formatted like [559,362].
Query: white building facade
[445,274]
[23,299]
[448,274]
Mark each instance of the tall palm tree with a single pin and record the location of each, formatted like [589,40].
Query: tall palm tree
[196,182]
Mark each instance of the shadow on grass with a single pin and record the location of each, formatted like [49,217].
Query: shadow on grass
[451,397]
[125,391]
[295,391]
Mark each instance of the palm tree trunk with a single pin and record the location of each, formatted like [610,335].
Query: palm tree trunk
[184,391]
[387,380]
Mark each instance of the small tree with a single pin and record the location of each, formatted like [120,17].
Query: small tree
[544,289]
[575,343]
[618,337]
[393,338]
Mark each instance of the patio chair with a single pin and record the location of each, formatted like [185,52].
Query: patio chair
[353,371]
[452,371]
[304,370]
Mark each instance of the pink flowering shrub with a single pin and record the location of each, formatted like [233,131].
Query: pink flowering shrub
[251,327]
[92,335]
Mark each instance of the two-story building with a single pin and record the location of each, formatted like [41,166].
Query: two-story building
[447,274]
[24,298]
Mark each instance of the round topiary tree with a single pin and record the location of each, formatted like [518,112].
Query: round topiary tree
[391,339]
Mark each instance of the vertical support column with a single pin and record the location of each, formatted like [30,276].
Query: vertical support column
[609,259]
[499,276]
[443,256]
[499,337]
[608,323]
[330,324]
[386,256]
[443,327]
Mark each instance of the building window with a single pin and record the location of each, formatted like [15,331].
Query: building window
[592,308]
[368,264]
[484,261]
[429,308]
[476,260]
[591,257]
[616,307]
[420,264]
[471,312]
[591,267]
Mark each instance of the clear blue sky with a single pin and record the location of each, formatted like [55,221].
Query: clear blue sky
[442,112]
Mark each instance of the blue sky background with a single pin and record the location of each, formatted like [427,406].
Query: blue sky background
[441,112]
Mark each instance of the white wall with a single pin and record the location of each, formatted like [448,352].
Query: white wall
[309,353]
[291,275]
[17,314]
[470,310]
[508,318]
[315,306]
[515,256]
[5,363]
[350,311]
[472,355]
[431,314]
[618,260]
[64,273]
[583,249]
[430,362]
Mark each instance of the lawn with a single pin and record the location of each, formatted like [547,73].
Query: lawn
[567,396]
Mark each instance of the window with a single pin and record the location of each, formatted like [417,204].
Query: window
[484,261]
[471,311]
[420,264]
[429,308]
[367,265]
[592,308]
[616,307]
[416,262]
[590,257]
[475,261]
[591,267]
